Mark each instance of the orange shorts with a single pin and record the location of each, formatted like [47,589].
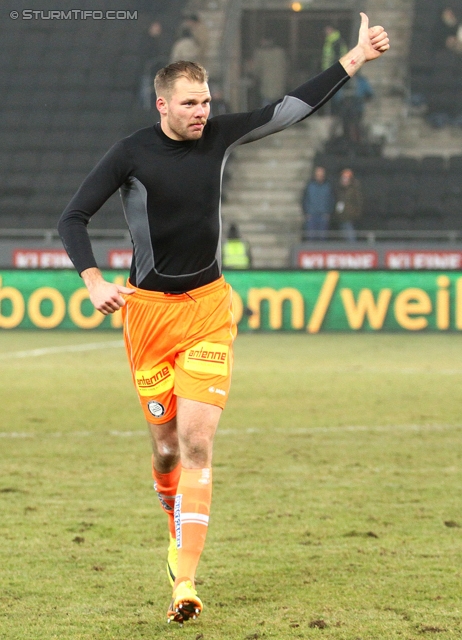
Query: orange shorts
[180,345]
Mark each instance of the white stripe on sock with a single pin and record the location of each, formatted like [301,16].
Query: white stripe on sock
[198,518]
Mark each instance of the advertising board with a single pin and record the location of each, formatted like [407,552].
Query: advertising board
[302,301]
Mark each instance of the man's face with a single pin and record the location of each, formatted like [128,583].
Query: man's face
[319,174]
[184,114]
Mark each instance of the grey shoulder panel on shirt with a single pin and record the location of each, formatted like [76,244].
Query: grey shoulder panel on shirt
[134,200]
[290,111]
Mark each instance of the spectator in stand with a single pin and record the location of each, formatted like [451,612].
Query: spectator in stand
[448,33]
[349,204]
[200,34]
[155,52]
[270,67]
[334,47]
[351,101]
[218,105]
[318,205]
[236,252]
[185,48]
[157,47]
[159,34]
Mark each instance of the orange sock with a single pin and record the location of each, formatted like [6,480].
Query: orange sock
[165,485]
[192,508]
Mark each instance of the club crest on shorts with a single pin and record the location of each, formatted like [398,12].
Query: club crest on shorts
[157,409]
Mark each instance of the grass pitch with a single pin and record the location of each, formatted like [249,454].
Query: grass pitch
[337,493]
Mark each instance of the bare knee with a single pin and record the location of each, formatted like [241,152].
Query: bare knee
[165,458]
[196,450]
[197,423]
[165,447]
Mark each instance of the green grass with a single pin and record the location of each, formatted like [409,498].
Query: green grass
[337,484]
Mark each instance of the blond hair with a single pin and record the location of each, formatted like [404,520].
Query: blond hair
[166,77]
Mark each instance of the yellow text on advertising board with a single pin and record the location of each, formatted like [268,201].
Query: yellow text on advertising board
[409,308]
[57,303]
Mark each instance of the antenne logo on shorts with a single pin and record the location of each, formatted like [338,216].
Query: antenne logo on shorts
[208,357]
[155,381]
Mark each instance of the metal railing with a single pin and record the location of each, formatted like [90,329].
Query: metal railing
[50,235]
[363,235]
[373,237]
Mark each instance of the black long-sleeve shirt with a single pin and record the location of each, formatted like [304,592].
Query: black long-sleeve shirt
[171,190]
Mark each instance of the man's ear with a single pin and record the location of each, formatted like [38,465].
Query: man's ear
[161,104]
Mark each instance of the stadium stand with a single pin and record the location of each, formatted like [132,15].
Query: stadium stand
[435,72]
[405,193]
[71,88]
[69,92]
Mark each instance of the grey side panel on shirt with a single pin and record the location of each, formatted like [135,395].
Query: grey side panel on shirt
[134,201]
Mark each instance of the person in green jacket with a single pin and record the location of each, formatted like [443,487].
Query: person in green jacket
[236,252]
[334,47]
